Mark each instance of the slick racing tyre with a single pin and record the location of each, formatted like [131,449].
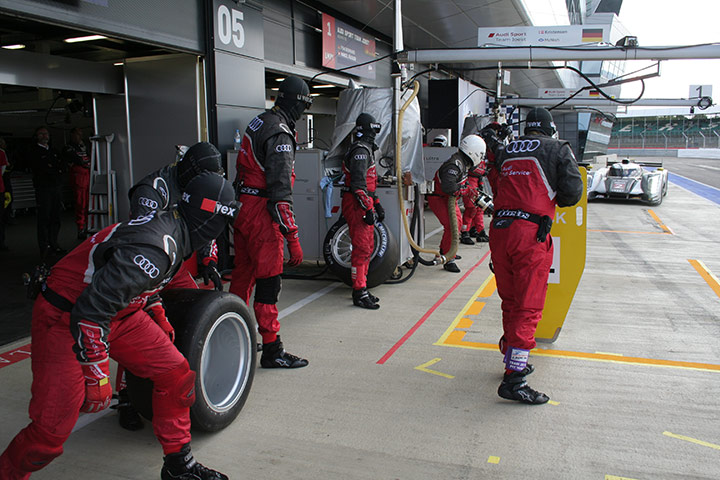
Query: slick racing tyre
[217,335]
[383,261]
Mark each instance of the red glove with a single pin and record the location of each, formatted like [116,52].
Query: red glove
[296,253]
[157,313]
[98,391]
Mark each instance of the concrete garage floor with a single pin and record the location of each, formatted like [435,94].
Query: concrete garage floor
[634,376]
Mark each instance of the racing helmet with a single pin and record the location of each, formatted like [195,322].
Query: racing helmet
[294,97]
[366,128]
[439,141]
[199,158]
[540,120]
[208,206]
[473,146]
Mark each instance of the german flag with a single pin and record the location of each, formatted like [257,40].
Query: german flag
[592,35]
[594,93]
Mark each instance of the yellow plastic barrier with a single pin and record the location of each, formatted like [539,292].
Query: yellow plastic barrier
[569,233]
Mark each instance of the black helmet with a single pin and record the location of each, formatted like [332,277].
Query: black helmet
[207,206]
[294,97]
[540,120]
[366,127]
[201,157]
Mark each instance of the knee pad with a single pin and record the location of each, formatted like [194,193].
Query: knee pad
[33,448]
[173,391]
[267,290]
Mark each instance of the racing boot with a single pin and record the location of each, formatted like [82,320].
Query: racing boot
[465,239]
[481,236]
[362,298]
[514,387]
[275,356]
[182,466]
[128,417]
[451,266]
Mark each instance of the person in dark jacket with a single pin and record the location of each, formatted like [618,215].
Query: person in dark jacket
[451,180]
[360,205]
[47,169]
[93,307]
[265,175]
[530,177]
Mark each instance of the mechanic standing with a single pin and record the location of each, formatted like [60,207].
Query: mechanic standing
[451,180]
[161,190]
[360,205]
[92,307]
[265,175]
[473,224]
[530,176]
[75,155]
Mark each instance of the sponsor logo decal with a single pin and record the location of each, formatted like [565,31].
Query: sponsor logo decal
[142,219]
[146,266]
[284,148]
[148,202]
[523,146]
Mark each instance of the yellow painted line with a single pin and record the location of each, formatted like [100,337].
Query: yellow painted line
[553,402]
[707,275]
[610,353]
[475,308]
[659,222]
[492,459]
[488,287]
[423,368]
[464,323]
[693,440]
[627,231]
[615,477]
[456,340]
[451,329]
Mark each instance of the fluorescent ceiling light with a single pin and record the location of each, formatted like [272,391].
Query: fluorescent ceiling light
[276,88]
[118,64]
[17,46]
[279,79]
[315,94]
[325,86]
[84,39]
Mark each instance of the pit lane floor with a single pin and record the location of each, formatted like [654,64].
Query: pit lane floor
[633,377]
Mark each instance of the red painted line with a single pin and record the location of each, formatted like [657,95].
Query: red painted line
[419,323]
[15,355]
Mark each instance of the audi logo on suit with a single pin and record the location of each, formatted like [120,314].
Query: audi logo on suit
[522,146]
[147,266]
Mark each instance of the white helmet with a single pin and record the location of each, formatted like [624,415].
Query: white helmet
[440,141]
[474,147]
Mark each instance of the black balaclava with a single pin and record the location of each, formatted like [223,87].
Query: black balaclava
[201,157]
[293,97]
[540,120]
[366,128]
[207,206]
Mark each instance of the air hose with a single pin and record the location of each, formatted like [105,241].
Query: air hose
[401,199]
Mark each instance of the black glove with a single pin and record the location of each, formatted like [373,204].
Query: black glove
[209,272]
[380,211]
[369,217]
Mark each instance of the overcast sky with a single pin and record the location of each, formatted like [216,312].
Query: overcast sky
[673,22]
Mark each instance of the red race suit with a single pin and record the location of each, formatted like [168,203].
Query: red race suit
[91,307]
[358,199]
[265,176]
[76,156]
[529,177]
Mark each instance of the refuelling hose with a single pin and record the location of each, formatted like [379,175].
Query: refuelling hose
[398,173]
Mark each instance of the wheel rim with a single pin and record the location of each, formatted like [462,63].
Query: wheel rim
[341,246]
[226,361]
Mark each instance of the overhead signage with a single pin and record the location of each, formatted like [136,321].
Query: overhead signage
[699,91]
[238,29]
[345,46]
[562,35]
[566,92]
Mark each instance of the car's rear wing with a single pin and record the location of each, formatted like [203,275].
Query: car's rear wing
[642,163]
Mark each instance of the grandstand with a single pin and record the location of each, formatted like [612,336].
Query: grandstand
[666,132]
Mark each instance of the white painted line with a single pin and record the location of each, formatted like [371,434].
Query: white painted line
[88,418]
[437,230]
[298,305]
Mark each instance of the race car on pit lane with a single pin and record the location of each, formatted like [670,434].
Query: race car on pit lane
[629,180]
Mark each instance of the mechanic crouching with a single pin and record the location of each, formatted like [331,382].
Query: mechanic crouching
[360,205]
[530,176]
[92,307]
[451,180]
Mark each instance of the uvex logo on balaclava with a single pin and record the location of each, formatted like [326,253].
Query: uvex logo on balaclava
[208,206]
[293,97]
